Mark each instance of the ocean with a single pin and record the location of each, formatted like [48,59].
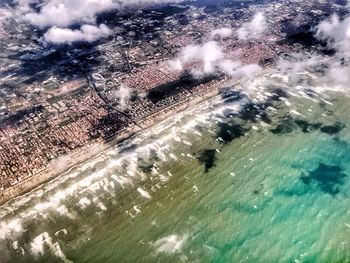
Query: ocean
[259,173]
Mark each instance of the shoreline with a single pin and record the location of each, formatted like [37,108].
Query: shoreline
[75,158]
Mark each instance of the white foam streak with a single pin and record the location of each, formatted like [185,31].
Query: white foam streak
[12,226]
[170,244]
[144,193]
[37,247]
[84,202]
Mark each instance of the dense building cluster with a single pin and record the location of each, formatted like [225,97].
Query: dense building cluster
[48,131]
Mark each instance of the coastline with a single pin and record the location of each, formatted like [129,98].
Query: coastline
[75,158]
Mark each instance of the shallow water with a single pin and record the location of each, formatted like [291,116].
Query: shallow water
[210,185]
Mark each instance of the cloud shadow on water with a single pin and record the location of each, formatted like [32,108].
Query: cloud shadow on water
[230,95]
[285,126]
[207,158]
[289,124]
[328,178]
[332,129]
[227,132]
[306,126]
[255,111]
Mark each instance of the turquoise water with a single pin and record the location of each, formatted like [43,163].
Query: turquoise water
[210,185]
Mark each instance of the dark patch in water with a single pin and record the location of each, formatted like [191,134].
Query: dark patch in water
[296,191]
[278,94]
[207,158]
[324,106]
[198,128]
[230,131]
[287,125]
[229,95]
[341,143]
[332,129]
[311,93]
[229,113]
[244,208]
[146,168]
[153,156]
[253,112]
[258,189]
[306,126]
[128,148]
[327,177]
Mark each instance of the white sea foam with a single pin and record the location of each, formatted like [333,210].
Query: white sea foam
[327,102]
[137,209]
[12,226]
[15,245]
[84,202]
[62,210]
[102,206]
[62,231]
[37,247]
[190,156]
[144,193]
[172,156]
[286,101]
[170,244]
[122,180]
[177,138]
[95,186]
[163,178]
[131,173]
[294,112]
[112,184]
[187,143]
[42,206]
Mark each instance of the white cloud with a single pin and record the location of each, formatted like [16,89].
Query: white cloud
[224,32]
[339,75]
[209,58]
[333,71]
[299,62]
[229,66]
[58,15]
[333,29]
[253,29]
[235,68]
[4,14]
[88,33]
[123,94]
[248,70]
[63,13]
[336,33]
[207,55]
